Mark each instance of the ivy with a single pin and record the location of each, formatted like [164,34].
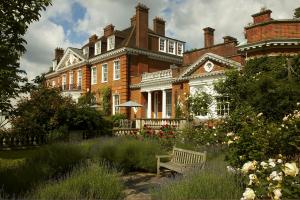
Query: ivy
[106,99]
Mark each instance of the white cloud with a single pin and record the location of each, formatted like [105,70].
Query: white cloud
[185,19]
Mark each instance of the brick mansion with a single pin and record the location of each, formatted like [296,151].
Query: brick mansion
[144,65]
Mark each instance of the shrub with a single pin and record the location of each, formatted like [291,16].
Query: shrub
[90,181]
[47,162]
[213,182]
[128,154]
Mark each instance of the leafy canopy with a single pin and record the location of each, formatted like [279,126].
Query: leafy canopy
[15,17]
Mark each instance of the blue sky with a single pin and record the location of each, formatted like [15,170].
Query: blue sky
[70,22]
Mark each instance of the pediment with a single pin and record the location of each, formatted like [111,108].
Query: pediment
[209,63]
[70,58]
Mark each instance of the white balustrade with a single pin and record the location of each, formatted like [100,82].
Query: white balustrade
[157,75]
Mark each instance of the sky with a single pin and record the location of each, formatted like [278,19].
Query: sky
[70,22]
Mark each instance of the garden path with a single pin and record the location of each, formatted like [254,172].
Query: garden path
[138,184]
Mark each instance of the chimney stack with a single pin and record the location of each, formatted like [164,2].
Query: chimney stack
[159,26]
[229,39]
[133,20]
[208,37]
[142,26]
[93,38]
[108,30]
[263,16]
[58,54]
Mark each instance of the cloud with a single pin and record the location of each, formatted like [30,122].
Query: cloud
[185,19]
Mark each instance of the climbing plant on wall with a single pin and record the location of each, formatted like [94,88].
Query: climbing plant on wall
[105,94]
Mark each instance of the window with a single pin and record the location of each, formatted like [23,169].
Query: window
[171,47]
[93,75]
[169,104]
[162,44]
[53,83]
[104,73]
[85,51]
[116,70]
[223,106]
[110,43]
[98,48]
[79,79]
[71,80]
[64,82]
[116,102]
[179,49]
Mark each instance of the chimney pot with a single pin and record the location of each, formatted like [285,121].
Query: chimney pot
[229,39]
[263,16]
[208,37]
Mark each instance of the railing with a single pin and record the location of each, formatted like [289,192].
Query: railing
[157,75]
[71,87]
[21,141]
[177,123]
[125,131]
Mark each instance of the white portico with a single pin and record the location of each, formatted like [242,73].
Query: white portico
[158,87]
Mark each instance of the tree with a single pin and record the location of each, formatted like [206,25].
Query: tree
[15,17]
[268,84]
[297,13]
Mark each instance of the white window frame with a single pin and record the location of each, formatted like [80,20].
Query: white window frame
[168,103]
[180,44]
[53,83]
[93,76]
[174,47]
[71,79]
[102,78]
[117,71]
[79,77]
[223,106]
[165,44]
[64,82]
[116,103]
[111,42]
[98,48]
[85,51]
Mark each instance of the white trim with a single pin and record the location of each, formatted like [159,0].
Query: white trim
[174,47]
[79,71]
[165,44]
[182,48]
[114,105]
[85,51]
[98,50]
[66,54]
[112,45]
[114,73]
[93,78]
[102,73]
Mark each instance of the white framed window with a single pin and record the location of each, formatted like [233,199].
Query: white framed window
[94,75]
[85,51]
[53,83]
[223,106]
[169,104]
[110,43]
[116,102]
[171,47]
[104,73]
[71,80]
[179,49]
[98,48]
[116,69]
[162,44]
[64,82]
[79,78]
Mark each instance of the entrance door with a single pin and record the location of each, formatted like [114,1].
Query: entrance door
[155,105]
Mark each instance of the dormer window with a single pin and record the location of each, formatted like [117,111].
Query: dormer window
[171,48]
[162,44]
[98,48]
[179,49]
[86,51]
[110,43]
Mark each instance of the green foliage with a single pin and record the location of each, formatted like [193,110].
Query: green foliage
[90,181]
[264,84]
[105,93]
[213,182]
[44,163]
[128,154]
[199,103]
[88,99]
[297,13]
[14,21]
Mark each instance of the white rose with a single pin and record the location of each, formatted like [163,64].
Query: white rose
[230,134]
[276,176]
[249,194]
[272,164]
[236,138]
[290,169]
[264,164]
[253,179]
[279,161]
[259,115]
[277,194]
[285,118]
[229,142]
[248,166]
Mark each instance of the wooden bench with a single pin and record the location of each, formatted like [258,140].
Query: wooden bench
[182,161]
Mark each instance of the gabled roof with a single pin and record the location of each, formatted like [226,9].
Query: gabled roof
[70,50]
[209,56]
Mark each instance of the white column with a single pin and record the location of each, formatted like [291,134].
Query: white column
[149,111]
[164,104]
